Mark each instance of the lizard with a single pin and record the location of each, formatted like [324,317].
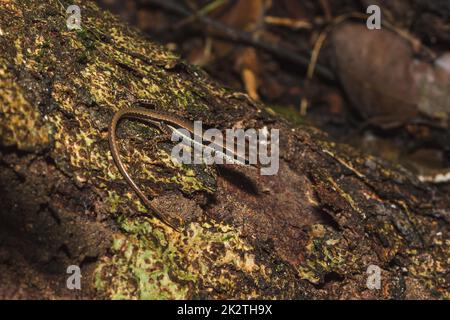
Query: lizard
[155,117]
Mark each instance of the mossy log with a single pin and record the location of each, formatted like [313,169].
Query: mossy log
[309,232]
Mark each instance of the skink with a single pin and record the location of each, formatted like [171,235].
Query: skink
[151,116]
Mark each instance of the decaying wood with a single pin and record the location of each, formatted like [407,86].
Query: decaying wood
[311,231]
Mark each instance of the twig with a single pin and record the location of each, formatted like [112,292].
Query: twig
[312,66]
[295,24]
[201,12]
[240,36]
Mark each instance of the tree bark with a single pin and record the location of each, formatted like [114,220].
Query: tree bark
[311,231]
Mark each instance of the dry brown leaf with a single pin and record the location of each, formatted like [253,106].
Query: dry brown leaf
[248,65]
[246,14]
[383,79]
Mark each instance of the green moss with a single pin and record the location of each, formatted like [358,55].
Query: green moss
[290,113]
[153,263]
[326,252]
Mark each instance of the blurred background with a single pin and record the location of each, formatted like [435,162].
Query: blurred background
[386,92]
